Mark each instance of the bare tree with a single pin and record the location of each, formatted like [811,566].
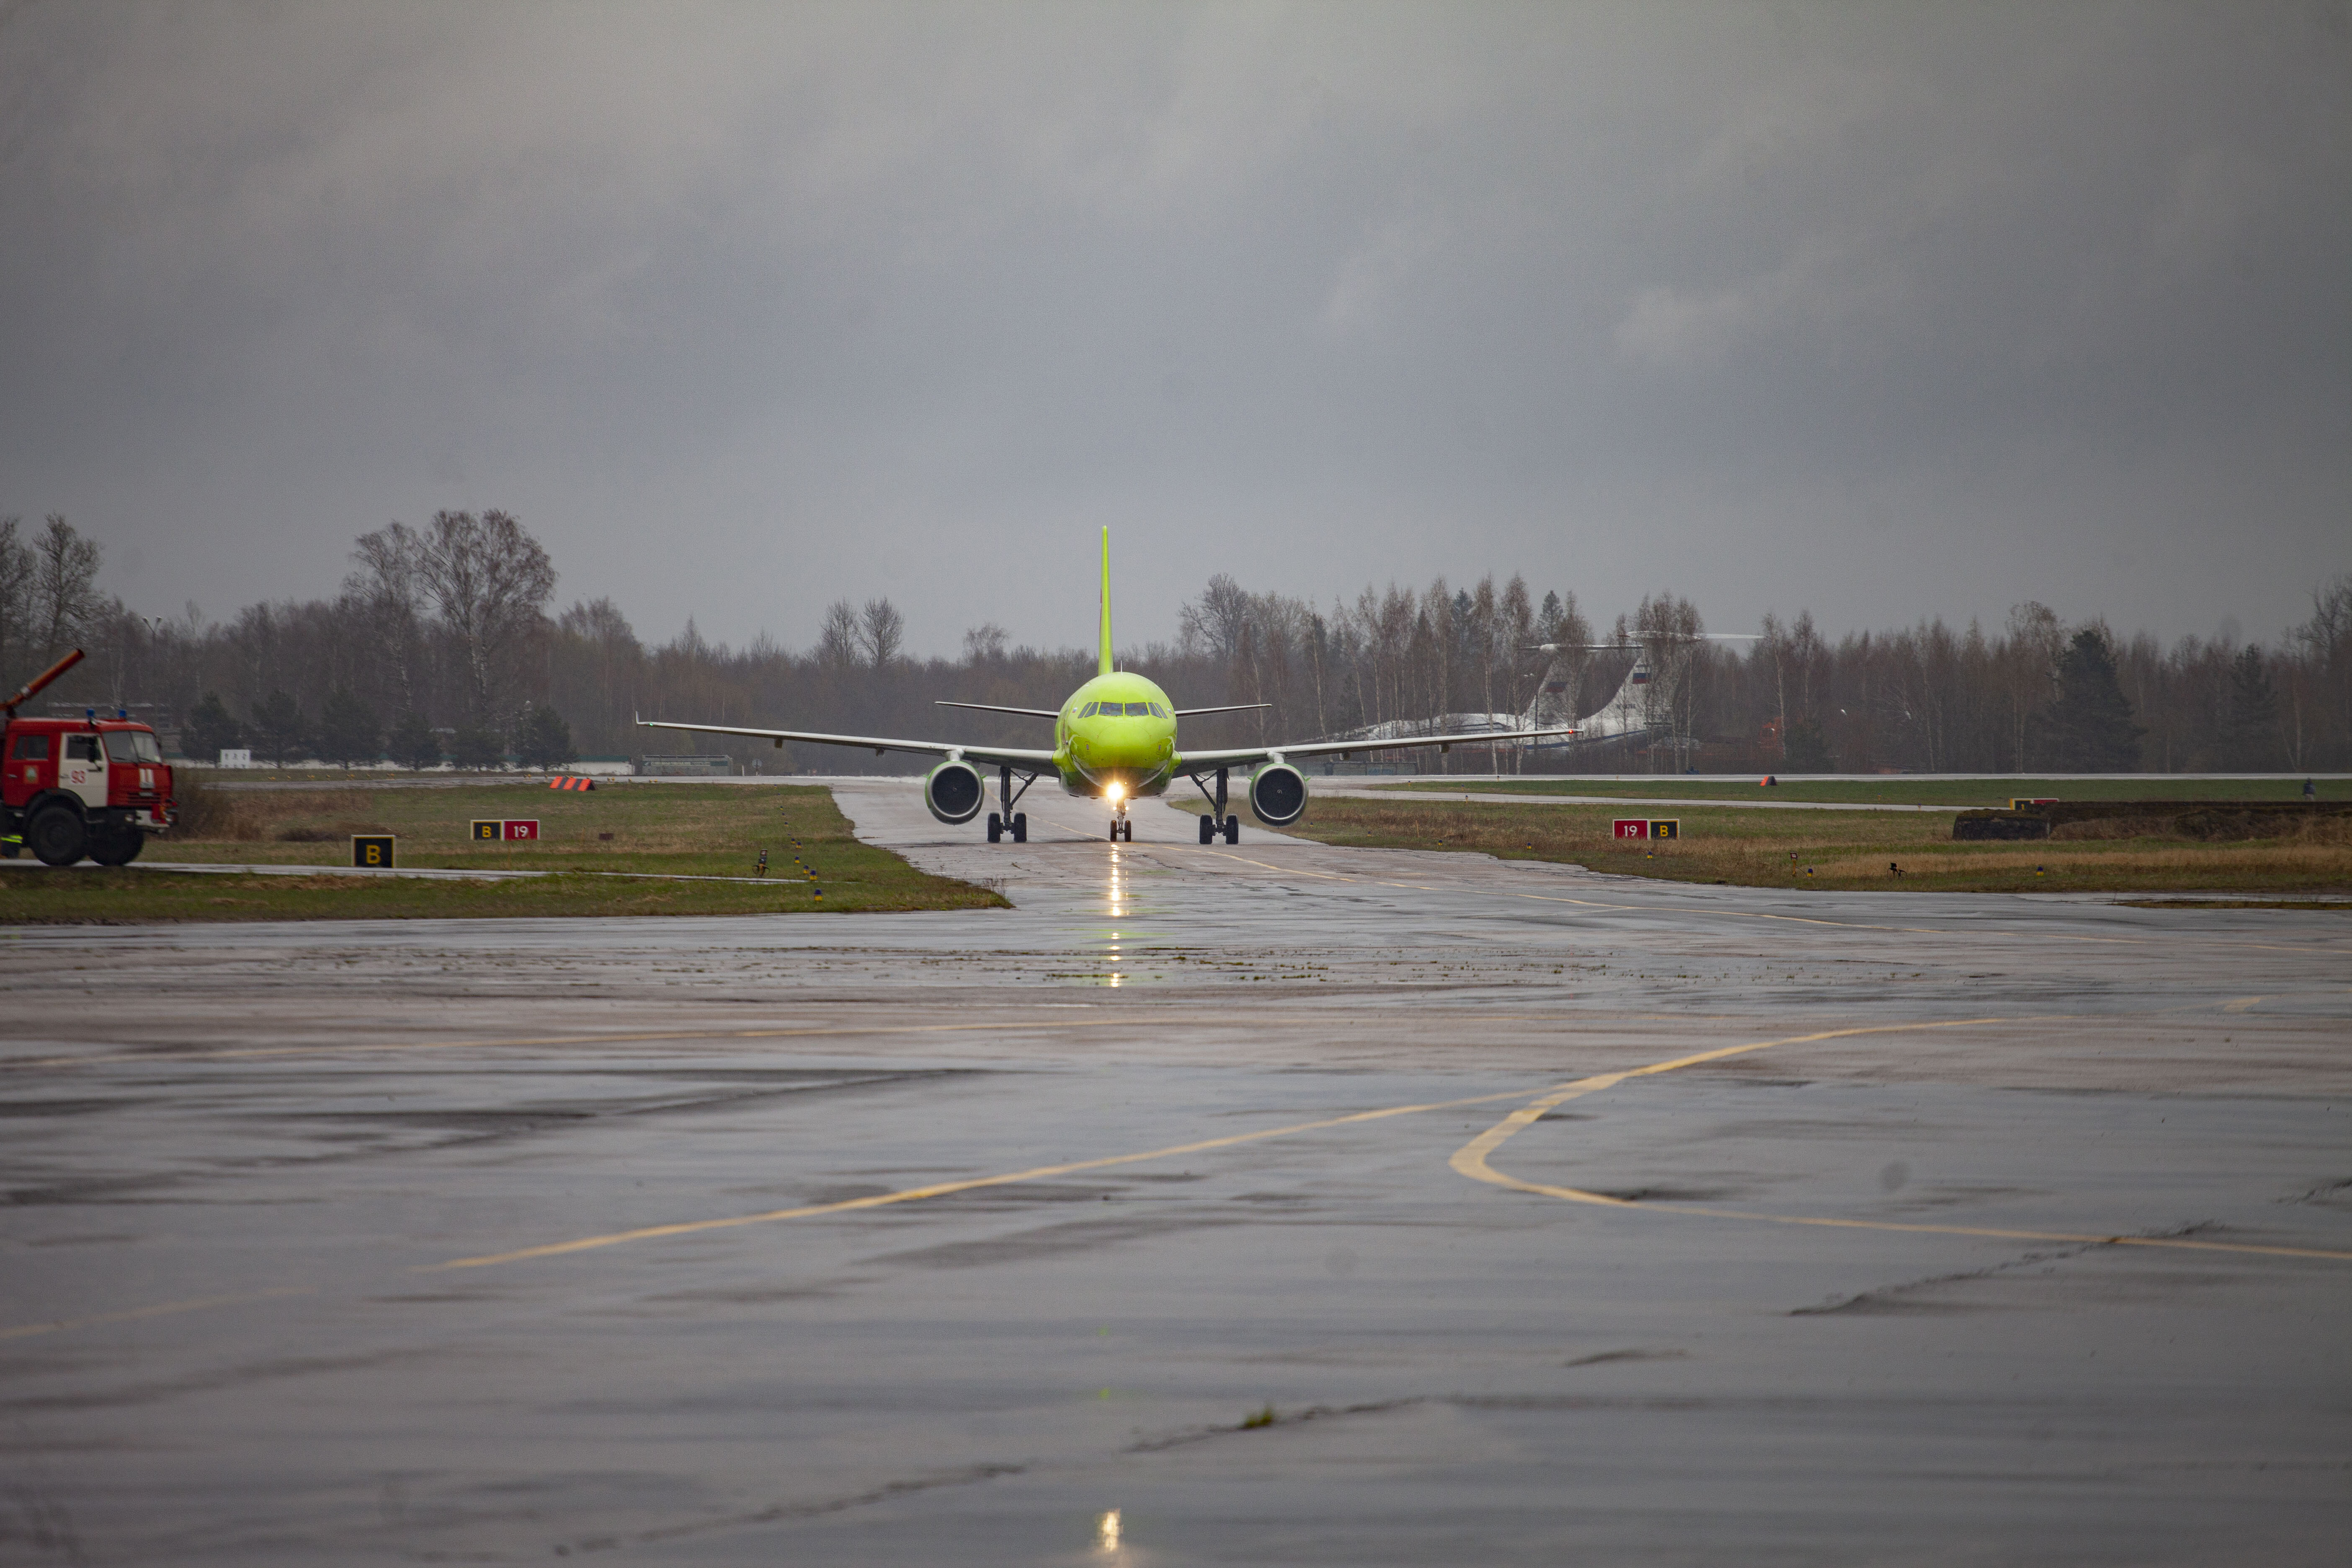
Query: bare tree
[17,569]
[1210,626]
[881,631]
[65,584]
[386,595]
[2327,639]
[837,640]
[491,582]
[1670,629]
[984,643]
[596,674]
[1484,645]
[1772,649]
[2035,639]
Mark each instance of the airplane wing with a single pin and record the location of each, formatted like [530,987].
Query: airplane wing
[998,707]
[986,756]
[1192,762]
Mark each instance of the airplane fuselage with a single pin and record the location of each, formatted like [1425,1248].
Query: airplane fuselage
[1115,739]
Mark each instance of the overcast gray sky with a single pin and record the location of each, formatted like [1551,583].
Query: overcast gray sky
[1887,311]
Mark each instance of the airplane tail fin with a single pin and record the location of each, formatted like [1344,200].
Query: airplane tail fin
[1103,663]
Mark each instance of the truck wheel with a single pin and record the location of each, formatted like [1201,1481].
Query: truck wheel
[117,845]
[58,836]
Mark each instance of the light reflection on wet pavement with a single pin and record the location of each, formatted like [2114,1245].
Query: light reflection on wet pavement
[240,1158]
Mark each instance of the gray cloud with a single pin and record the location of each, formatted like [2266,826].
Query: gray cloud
[1891,311]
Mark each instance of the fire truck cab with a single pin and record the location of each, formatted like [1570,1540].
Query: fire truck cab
[71,788]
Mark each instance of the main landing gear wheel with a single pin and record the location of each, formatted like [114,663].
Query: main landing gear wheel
[1219,824]
[58,836]
[1016,823]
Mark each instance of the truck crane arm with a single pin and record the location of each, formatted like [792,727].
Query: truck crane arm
[32,687]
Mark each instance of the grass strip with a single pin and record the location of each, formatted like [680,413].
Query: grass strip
[815,862]
[1974,793]
[1844,851]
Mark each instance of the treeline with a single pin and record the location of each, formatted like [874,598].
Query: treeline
[2037,694]
[445,643]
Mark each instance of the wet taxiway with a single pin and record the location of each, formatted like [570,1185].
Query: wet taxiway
[1268,1203]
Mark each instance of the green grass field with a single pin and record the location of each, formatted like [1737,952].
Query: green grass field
[693,830]
[1896,790]
[1845,849]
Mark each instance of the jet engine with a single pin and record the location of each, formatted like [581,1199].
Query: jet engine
[955,792]
[1277,794]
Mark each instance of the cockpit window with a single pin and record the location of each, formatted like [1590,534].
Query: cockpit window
[1088,710]
[132,746]
[1139,710]
[1157,711]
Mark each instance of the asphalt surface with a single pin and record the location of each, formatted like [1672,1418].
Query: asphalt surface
[1982,1229]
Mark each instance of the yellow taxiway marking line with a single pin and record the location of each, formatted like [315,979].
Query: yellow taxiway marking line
[943,1189]
[1472,1160]
[162,1310]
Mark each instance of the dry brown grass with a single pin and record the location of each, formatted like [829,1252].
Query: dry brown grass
[208,812]
[2332,830]
[2264,862]
[1837,849]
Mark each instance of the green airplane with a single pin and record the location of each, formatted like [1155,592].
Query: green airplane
[1114,740]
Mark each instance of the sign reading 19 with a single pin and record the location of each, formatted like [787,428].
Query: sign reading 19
[494,829]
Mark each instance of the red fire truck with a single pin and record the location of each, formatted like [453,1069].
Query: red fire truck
[75,787]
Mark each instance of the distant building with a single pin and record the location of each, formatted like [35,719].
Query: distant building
[696,764]
[239,757]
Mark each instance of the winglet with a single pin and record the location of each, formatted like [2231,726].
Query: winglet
[1103,662]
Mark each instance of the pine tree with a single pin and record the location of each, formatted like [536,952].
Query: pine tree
[413,743]
[2090,725]
[546,740]
[210,730]
[474,747]
[279,732]
[1807,750]
[2250,736]
[348,731]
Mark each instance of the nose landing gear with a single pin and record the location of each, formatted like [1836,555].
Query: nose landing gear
[1120,827]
